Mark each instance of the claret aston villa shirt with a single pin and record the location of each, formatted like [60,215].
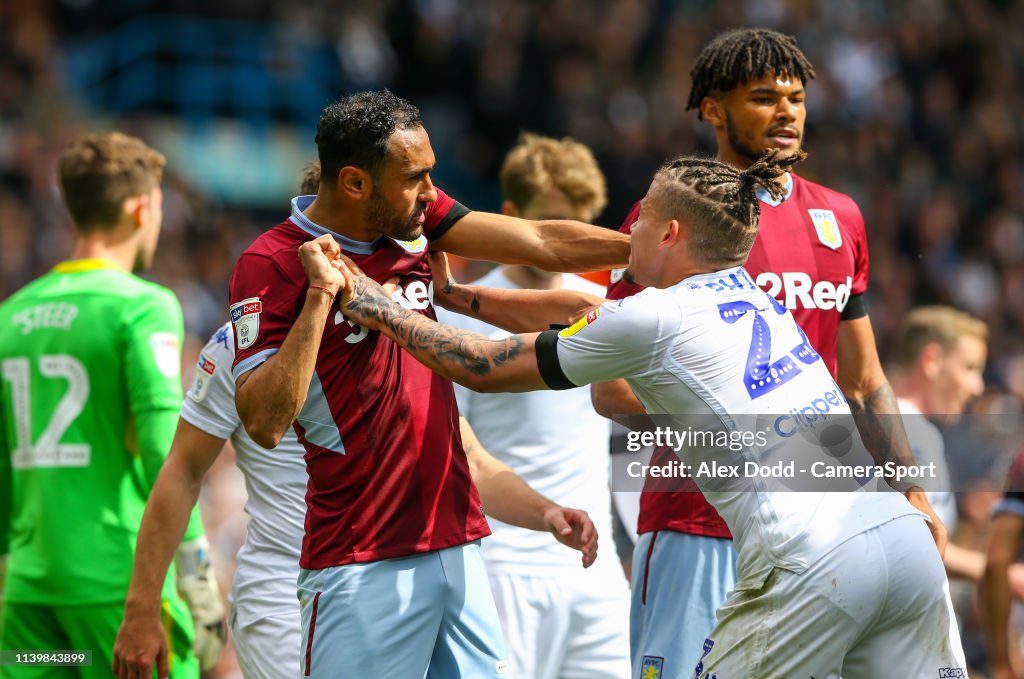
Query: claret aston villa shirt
[388,476]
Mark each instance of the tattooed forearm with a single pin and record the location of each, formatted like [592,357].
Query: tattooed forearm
[449,351]
[880,426]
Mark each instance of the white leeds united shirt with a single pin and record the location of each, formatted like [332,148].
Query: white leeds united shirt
[275,480]
[714,347]
[554,441]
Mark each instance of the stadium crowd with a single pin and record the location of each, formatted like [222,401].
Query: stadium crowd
[915,114]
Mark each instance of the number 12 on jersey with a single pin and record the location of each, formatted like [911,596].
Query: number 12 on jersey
[47,451]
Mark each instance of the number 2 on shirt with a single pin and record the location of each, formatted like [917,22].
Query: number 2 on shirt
[761,376]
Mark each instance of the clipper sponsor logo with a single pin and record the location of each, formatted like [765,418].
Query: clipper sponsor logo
[800,292]
[952,673]
[651,667]
[245,316]
[808,416]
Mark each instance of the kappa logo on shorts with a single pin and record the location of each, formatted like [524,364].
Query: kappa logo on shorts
[952,673]
[246,317]
[651,667]
[827,227]
[580,324]
[501,667]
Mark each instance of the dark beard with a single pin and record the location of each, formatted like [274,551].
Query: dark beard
[749,154]
[387,221]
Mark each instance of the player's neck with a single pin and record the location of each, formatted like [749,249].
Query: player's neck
[531,278]
[121,254]
[328,214]
[910,389]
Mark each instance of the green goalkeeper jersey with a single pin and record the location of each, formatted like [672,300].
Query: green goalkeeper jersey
[89,397]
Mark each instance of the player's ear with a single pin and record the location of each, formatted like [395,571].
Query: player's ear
[135,207]
[355,183]
[712,111]
[670,236]
[930,360]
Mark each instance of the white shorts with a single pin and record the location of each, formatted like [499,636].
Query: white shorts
[429,615]
[876,606]
[268,648]
[567,625]
[679,581]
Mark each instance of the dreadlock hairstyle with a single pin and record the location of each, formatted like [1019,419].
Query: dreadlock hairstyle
[741,55]
[718,203]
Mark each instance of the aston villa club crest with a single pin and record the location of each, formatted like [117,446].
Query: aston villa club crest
[414,246]
[651,667]
[827,227]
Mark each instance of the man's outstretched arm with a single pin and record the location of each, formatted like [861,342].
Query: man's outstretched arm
[516,311]
[553,245]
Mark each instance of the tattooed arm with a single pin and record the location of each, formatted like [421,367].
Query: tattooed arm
[875,412]
[462,356]
[516,310]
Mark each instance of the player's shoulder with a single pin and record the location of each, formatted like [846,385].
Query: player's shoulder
[642,313]
[221,344]
[808,192]
[142,295]
[281,237]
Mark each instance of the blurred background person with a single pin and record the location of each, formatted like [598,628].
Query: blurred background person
[558,621]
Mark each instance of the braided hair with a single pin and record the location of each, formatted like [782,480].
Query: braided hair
[741,55]
[719,203]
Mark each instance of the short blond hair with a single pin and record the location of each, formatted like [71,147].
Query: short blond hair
[101,171]
[537,163]
[936,324]
[310,178]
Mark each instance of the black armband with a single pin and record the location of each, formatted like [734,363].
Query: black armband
[550,369]
[457,212]
[854,309]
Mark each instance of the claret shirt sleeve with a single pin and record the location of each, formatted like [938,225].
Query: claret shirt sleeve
[624,338]
[442,214]
[264,300]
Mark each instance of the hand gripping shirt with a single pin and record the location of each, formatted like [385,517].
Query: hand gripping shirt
[388,476]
